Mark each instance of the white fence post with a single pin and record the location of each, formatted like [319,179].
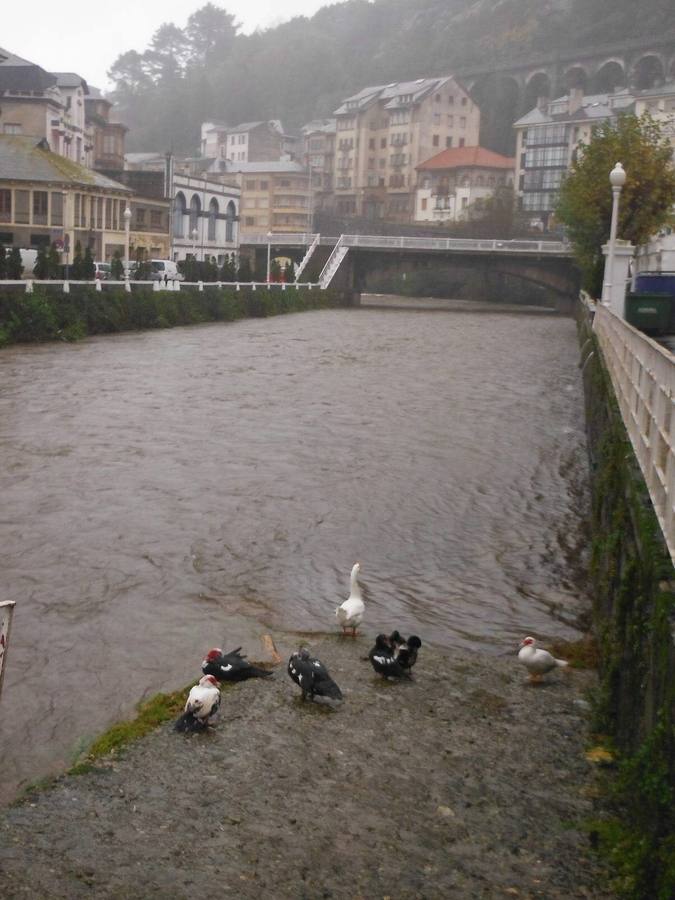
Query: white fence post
[6,612]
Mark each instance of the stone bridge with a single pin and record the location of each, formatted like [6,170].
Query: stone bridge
[505,91]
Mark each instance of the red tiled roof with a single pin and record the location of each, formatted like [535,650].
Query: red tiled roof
[461,157]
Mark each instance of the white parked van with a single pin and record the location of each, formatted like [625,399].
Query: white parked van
[28,260]
[164,270]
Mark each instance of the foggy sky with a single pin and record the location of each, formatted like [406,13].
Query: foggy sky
[86,37]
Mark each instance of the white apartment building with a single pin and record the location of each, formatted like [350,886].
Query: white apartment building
[385,131]
[455,182]
[548,137]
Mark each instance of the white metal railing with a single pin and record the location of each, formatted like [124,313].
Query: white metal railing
[278,239]
[306,258]
[333,263]
[431,243]
[170,285]
[643,376]
[389,242]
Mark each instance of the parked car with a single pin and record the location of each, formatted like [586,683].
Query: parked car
[165,270]
[102,271]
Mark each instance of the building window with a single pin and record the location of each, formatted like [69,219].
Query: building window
[371,144]
[179,211]
[435,140]
[383,143]
[461,142]
[264,185]
[423,204]
[57,209]
[108,212]
[464,101]
[448,141]
[462,121]
[109,145]
[40,207]
[195,209]
[156,218]
[5,205]
[250,220]
[213,217]
[229,222]
[11,128]
[437,118]
[140,218]
[451,100]
[250,185]
[545,157]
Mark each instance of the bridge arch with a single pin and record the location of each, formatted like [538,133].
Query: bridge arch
[648,71]
[575,77]
[499,99]
[610,75]
[538,85]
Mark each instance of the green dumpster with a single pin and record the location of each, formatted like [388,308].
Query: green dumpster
[649,312]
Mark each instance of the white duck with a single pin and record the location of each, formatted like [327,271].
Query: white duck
[537,662]
[350,613]
[201,706]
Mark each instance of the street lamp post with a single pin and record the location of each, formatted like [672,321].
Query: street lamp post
[269,251]
[617,179]
[127,225]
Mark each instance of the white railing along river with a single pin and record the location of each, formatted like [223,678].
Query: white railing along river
[643,376]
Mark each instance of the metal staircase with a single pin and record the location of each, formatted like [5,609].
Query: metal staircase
[333,264]
[306,258]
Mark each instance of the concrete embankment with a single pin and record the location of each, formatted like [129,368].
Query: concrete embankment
[397,301]
[465,783]
[634,621]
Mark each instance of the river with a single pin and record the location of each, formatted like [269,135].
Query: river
[167,491]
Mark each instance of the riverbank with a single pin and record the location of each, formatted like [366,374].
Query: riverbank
[48,314]
[465,783]
[449,304]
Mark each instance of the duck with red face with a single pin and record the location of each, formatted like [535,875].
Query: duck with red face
[201,706]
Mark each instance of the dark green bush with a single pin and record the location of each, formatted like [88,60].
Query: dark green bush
[49,314]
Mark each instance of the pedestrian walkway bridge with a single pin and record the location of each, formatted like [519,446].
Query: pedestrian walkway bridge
[340,247]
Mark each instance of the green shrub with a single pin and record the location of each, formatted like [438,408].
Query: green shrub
[49,314]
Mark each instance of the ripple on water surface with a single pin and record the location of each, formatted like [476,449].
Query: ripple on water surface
[159,487]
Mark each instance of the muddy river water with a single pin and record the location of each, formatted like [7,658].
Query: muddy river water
[163,492]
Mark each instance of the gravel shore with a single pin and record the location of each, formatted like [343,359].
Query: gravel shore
[464,783]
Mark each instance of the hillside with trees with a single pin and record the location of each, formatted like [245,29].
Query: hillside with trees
[301,69]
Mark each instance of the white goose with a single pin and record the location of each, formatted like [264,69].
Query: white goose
[537,661]
[350,613]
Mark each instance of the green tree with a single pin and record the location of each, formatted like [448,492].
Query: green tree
[585,204]
[244,269]
[53,262]
[77,266]
[14,264]
[41,267]
[116,267]
[88,267]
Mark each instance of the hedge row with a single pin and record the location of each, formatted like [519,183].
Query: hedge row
[49,314]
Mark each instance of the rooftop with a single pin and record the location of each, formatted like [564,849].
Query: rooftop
[30,159]
[468,157]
